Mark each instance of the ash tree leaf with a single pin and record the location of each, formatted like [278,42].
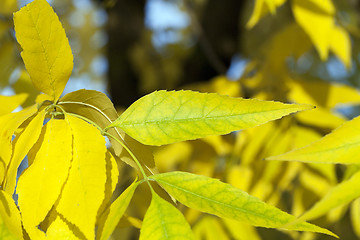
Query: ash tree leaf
[40,185]
[340,146]
[10,219]
[112,215]
[164,117]
[21,146]
[341,194]
[46,51]
[164,221]
[84,190]
[9,103]
[9,123]
[212,196]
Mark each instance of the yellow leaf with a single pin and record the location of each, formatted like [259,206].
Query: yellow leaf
[355,216]
[40,185]
[84,190]
[112,175]
[340,44]
[210,228]
[323,93]
[9,103]
[60,229]
[10,218]
[24,85]
[340,146]
[21,145]
[46,50]
[261,8]
[241,231]
[9,123]
[317,20]
[7,7]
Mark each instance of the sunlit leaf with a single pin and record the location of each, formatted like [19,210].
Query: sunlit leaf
[164,117]
[317,20]
[341,194]
[40,185]
[46,50]
[261,8]
[9,123]
[340,44]
[214,197]
[21,146]
[10,219]
[112,215]
[163,221]
[355,216]
[241,231]
[9,103]
[84,189]
[112,177]
[60,229]
[210,228]
[340,146]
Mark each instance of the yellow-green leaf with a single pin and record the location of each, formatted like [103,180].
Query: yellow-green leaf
[9,123]
[164,117]
[214,197]
[40,185]
[112,215]
[9,103]
[46,50]
[10,219]
[84,190]
[21,145]
[339,146]
[341,194]
[355,216]
[163,221]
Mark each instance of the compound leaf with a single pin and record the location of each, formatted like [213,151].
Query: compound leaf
[164,117]
[212,196]
[46,50]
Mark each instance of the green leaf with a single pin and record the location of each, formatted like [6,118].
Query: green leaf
[340,146]
[164,221]
[164,117]
[112,215]
[212,196]
[46,50]
[341,194]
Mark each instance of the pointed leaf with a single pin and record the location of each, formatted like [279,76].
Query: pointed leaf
[214,197]
[9,123]
[339,146]
[164,117]
[317,20]
[9,103]
[10,219]
[40,185]
[61,229]
[163,221]
[112,216]
[341,45]
[84,190]
[46,50]
[341,194]
[22,144]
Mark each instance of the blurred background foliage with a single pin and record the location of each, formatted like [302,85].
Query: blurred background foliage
[304,51]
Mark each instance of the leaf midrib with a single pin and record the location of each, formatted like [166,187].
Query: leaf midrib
[196,119]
